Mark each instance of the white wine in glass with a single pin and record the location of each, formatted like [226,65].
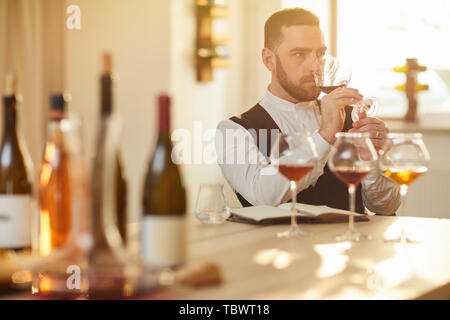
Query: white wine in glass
[404,159]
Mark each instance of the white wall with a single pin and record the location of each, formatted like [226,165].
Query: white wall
[21,51]
[204,103]
[137,32]
[232,91]
[256,76]
[153,44]
[429,196]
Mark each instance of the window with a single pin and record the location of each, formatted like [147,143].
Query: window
[379,35]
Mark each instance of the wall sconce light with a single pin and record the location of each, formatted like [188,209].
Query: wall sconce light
[211,50]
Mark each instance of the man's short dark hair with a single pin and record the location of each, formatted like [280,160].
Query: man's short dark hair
[286,17]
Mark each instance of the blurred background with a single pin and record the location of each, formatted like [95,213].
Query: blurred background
[155,48]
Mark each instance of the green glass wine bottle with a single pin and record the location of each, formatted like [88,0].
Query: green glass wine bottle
[106,83]
[164,202]
[15,181]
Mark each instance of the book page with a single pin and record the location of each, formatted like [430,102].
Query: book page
[259,213]
[316,210]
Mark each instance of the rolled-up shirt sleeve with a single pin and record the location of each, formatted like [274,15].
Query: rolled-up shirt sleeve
[248,171]
[380,194]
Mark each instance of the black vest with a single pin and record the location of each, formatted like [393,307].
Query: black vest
[328,190]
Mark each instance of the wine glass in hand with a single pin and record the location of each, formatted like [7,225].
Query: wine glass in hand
[352,158]
[331,74]
[294,156]
[404,159]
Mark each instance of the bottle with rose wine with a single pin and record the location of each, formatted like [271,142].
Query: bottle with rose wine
[54,183]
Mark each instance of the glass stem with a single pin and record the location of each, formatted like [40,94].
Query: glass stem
[351,199]
[403,192]
[293,210]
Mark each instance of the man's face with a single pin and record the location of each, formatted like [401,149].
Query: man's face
[296,59]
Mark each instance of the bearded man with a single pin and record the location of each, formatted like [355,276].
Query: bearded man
[293,47]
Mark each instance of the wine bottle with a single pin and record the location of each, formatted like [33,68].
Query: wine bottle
[15,182]
[54,183]
[106,82]
[164,202]
[107,259]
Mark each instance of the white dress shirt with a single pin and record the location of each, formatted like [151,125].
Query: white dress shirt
[249,178]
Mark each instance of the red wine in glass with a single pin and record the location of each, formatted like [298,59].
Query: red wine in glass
[294,172]
[351,176]
[368,107]
[329,89]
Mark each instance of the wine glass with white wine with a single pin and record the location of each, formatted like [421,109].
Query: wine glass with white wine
[404,159]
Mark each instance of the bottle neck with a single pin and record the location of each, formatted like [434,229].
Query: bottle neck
[56,115]
[53,128]
[164,119]
[106,95]
[164,137]
[10,118]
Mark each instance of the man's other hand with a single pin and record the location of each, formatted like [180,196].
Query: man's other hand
[375,127]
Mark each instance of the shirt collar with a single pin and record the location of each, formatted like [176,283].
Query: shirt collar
[272,101]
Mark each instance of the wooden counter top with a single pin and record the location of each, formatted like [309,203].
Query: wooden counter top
[258,265]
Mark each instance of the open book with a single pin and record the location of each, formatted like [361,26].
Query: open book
[266,215]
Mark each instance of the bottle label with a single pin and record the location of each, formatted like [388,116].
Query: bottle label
[163,240]
[15,221]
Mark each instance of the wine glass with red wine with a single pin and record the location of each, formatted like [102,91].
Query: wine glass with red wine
[332,74]
[294,156]
[353,157]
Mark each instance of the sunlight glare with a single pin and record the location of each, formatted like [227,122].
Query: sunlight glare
[334,259]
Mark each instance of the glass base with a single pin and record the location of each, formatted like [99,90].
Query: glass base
[292,232]
[403,240]
[213,217]
[353,235]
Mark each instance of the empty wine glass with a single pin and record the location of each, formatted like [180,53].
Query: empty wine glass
[331,73]
[353,157]
[294,156]
[211,206]
[404,159]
